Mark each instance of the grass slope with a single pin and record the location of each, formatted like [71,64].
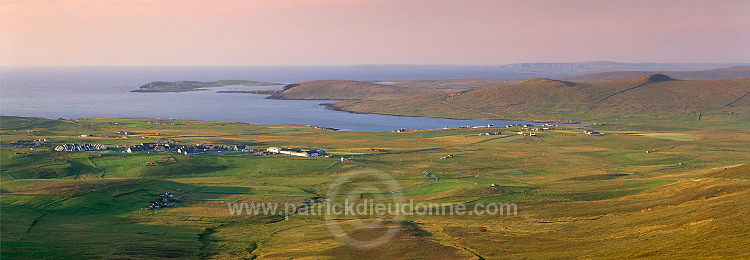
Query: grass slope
[578,196]
[723,73]
[457,83]
[345,89]
[547,99]
[74,219]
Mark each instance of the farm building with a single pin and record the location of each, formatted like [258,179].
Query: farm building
[303,152]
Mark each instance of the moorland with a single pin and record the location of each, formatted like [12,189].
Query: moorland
[668,177]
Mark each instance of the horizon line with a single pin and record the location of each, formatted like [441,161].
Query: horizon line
[379,64]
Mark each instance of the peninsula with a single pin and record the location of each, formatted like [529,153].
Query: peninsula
[183,86]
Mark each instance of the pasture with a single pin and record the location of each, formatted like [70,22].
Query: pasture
[639,190]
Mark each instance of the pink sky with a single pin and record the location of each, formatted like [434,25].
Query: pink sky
[347,32]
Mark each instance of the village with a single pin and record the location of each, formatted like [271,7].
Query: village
[26,143]
[199,148]
[173,146]
[234,150]
[202,148]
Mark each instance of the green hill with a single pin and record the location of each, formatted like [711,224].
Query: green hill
[457,83]
[723,73]
[472,83]
[346,89]
[548,99]
[646,90]
[643,91]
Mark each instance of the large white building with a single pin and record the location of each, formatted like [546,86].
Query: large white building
[80,147]
[303,152]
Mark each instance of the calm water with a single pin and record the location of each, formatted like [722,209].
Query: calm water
[104,92]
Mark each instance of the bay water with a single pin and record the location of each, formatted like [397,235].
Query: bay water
[104,92]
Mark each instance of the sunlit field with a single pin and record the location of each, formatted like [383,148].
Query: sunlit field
[663,192]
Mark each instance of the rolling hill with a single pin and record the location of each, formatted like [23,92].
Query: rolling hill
[645,90]
[723,73]
[472,83]
[346,90]
[457,83]
[610,65]
[548,99]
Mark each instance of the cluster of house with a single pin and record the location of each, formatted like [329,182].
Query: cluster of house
[196,149]
[206,148]
[161,123]
[80,147]
[155,147]
[303,152]
[323,128]
[592,132]
[547,125]
[532,128]
[484,126]
[27,143]
[162,201]
[92,135]
[490,133]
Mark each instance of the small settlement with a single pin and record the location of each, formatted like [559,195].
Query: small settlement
[156,147]
[195,149]
[187,150]
[207,148]
[164,200]
[25,143]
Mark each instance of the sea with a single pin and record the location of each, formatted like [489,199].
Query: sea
[104,92]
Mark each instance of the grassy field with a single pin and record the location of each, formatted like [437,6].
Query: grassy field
[649,187]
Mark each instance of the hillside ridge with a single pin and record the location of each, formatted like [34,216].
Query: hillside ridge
[611,65]
[713,74]
[346,90]
[565,101]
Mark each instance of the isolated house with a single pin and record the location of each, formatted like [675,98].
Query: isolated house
[592,132]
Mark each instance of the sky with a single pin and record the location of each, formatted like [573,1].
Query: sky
[350,32]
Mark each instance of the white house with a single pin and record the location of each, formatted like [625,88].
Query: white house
[303,152]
